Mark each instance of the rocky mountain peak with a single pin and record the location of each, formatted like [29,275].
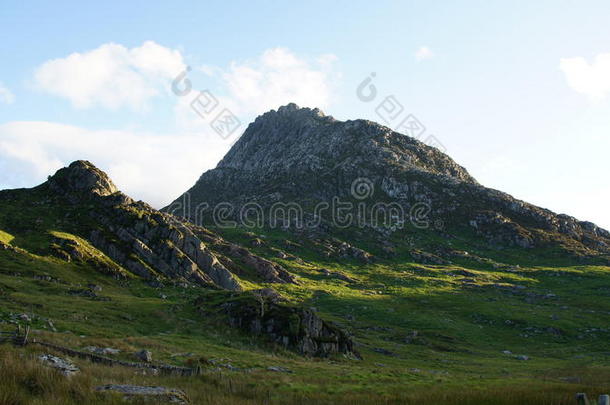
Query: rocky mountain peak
[82,177]
[301,156]
[292,110]
[299,140]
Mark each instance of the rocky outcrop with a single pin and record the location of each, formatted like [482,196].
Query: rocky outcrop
[156,246]
[72,250]
[295,328]
[267,270]
[138,239]
[420,256]
[501,231]
[339,249]
[83,179]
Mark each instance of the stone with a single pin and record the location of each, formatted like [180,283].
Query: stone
[278,369]
[522,357]
[51,325]
[385,352]
[105,351]
[144,355]
[64,366]
[155,393]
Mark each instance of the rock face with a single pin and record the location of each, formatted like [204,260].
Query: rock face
[140,240]
[301,157]
[295,328]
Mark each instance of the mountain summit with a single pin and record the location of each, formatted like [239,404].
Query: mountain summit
[82,177]
[294,139]
[302,157]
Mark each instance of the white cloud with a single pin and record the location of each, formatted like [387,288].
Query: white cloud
[423,53]
[153,167]
[146,165]
[278,77]
[591,79]
[6,96]
[111,75]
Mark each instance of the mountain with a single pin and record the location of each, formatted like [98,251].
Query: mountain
[321,262]
[300,158]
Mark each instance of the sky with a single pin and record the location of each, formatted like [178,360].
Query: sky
[156,93]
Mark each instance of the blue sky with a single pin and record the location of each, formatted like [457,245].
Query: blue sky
[518,93]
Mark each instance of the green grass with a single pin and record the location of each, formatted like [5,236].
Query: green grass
[446,336]
[5,237]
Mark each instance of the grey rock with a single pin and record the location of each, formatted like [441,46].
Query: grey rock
[278,369]
[144,355]
[170,395]
[83,178]
[64,366]
[103,351]
[51,325]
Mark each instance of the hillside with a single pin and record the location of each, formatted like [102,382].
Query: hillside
[368,313]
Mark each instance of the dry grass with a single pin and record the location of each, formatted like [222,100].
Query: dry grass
[24,380]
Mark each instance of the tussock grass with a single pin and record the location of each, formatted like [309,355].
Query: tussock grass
[25,380]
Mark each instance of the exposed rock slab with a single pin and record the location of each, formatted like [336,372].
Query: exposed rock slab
[169,395]
[64,366]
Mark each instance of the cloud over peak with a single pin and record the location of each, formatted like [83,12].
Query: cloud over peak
[277,77]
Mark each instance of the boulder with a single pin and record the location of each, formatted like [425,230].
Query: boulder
[144,355]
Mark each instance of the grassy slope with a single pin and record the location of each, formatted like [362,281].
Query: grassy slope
[461,330]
